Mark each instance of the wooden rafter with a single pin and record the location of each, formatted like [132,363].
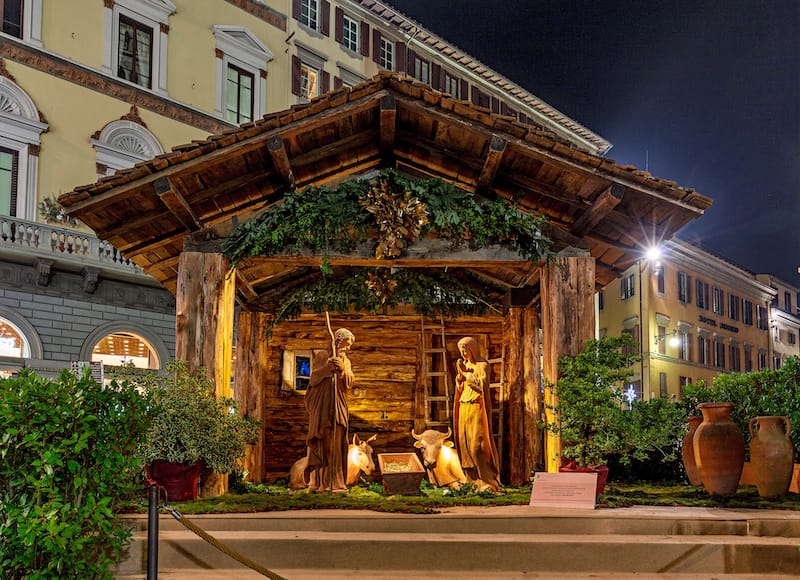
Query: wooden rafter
[388,110]
[491,164]
[280,159]
[602,206]
[176,203]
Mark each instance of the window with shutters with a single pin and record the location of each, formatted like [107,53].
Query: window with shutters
[702,350]
[734,306]
[660,281]
[748,359]
[135,41]
[350,33]
[662,385]
[386,54]
[309,13]
[421,69]
[242,61]
[296,370]
[719,354]
[20,139]
[762,360]
[747,312]
[682,382]
[627,287]
[8,182]
[684,345]
[702,294]
[684,288]
[787,301]
[717,301]
[22,19]
[452,85]
[309,78]
[762,317]
[735,354]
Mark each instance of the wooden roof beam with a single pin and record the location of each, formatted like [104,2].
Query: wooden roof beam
[280,159]
[388,122]
[176,203]
[491,164]
[602,206]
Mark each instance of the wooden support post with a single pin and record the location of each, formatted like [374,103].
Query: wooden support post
[532,389]
[250,377]
[204,327]
[567,289]
[518,473]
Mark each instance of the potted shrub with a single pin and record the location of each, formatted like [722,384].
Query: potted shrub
[593,415]
[191,429]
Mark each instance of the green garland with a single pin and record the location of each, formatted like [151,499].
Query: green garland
[325,219]
[401,210]
[355,290]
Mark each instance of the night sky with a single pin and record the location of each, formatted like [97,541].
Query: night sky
[703,93]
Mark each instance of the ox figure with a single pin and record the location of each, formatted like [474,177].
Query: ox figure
[440,459]
[359,458]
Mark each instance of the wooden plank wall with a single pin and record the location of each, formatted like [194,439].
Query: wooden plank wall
[387,393]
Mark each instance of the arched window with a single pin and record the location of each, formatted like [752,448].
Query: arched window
[121,343]
[123,348]
[12,341]
[122,144]
[18,341]
[20,131]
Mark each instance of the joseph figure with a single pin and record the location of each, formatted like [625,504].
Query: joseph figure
[328,415]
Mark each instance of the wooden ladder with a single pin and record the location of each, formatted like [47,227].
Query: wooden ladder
[497,390]
[436,376]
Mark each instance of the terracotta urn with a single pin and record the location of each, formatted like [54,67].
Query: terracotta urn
[178,481]
[687,451]
[771,454]
[719,449]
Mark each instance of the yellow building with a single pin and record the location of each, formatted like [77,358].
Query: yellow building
[90,87]
[700,314]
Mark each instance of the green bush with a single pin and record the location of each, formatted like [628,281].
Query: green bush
[754,394]
[67,461]
[189,423]
[593,416]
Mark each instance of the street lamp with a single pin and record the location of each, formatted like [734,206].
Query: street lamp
[651,255]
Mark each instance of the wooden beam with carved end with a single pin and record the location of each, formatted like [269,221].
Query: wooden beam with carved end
[602,206]
[280,159]
[491,164]
[388,120]
[176,203]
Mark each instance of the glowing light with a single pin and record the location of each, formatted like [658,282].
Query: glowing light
[653,253]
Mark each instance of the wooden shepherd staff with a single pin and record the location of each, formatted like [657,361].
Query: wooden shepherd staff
[333,407]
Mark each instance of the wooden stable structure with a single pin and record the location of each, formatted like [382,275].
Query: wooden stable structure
[169,214]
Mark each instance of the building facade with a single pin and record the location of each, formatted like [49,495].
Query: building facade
[695,315]
[89,87]
[784,322]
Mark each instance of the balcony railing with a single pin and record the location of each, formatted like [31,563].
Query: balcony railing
[61,244]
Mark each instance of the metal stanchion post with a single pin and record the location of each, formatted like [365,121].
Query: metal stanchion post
[152,533]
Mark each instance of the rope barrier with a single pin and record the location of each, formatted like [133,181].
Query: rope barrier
[220,546]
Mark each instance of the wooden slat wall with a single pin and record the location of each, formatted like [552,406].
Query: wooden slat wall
[385,361]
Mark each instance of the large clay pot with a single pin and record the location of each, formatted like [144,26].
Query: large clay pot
[719,449]
[687,451]
[178,481]
[771,454]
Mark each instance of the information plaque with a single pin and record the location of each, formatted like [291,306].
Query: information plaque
[564,490]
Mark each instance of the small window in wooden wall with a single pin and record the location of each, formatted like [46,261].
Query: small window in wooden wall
[296,370]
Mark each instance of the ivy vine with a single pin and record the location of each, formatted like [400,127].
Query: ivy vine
[430,293]
[401,211]
[324,219]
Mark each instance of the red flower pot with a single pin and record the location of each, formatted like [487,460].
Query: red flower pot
[178,480]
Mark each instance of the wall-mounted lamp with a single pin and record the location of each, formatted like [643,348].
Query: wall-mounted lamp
[672,338]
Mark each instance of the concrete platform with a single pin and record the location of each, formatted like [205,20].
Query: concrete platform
[498,542]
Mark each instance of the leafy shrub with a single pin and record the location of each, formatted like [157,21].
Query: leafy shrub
[593,419]
[67,461]
[189,423]
[755,394]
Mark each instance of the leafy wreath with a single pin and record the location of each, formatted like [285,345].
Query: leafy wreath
[401,211]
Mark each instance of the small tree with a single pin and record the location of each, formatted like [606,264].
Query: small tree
[591,409]
[67,462]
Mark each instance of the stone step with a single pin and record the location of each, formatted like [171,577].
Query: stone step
[500,542]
